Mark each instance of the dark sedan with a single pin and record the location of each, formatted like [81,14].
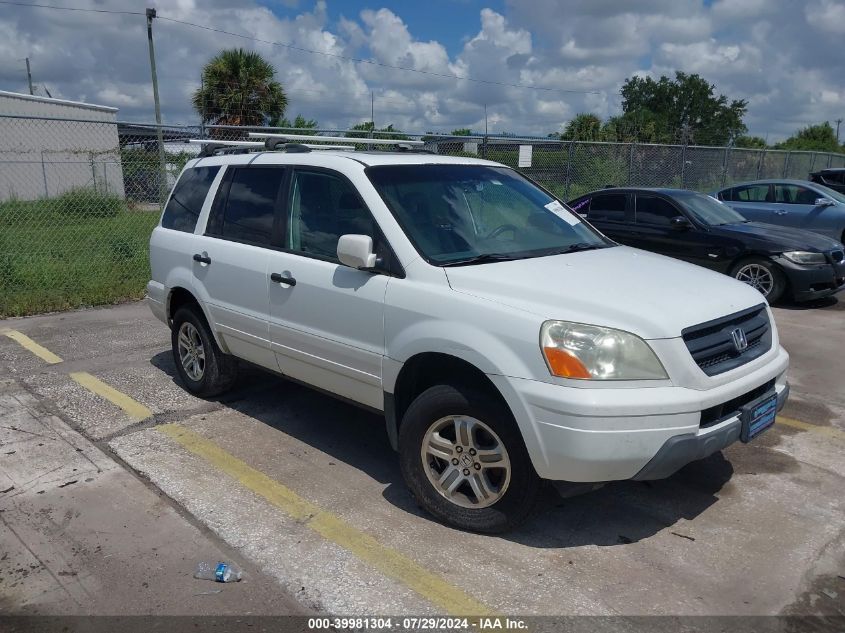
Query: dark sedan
[776,260]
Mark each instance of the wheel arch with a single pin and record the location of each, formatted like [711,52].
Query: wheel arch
[179,297]
[424,370]
[752,255]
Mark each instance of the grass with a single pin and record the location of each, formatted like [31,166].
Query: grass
[80,249]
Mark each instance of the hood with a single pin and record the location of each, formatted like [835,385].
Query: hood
[620,287]
[777,238]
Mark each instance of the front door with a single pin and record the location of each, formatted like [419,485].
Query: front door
[653,231]
[326,319]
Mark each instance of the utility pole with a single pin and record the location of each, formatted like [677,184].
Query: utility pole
[838,121]
[372,118]
[29,76]
[151,13]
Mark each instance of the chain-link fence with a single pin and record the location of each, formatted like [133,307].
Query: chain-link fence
[79,198]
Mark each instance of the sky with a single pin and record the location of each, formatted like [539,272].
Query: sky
[559,57]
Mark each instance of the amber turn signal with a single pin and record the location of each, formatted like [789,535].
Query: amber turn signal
[563,363]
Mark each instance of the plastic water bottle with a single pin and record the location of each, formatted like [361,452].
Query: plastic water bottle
[219,572]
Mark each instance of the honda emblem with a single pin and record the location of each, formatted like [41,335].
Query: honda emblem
[740,342]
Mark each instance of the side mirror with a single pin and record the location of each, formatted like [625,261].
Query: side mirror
[680,223]
[356,251]
[824,202]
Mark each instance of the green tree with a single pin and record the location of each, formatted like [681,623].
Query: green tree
[300,124]
[685,109]
[239,88]
[462,131]
[820,138]
[584,127]
[750,142]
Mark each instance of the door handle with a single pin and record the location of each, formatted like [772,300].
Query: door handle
[281,279]
[202,259]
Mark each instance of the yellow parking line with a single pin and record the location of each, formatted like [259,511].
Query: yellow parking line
[28,344]
[815,428]
[133,408]
[385,559]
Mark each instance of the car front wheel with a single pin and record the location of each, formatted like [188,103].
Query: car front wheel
[464,460]
[762,275]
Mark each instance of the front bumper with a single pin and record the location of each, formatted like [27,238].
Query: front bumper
[680,450]
[814,281]
[607,434]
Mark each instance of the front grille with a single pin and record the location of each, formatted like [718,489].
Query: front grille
[837,256]
[721,412]
[712,347]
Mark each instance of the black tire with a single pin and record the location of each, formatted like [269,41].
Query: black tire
[779,285]
[220,370]
[522,492]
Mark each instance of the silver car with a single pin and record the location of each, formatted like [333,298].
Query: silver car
[796,203]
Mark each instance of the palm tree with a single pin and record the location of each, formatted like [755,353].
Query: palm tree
[239,88]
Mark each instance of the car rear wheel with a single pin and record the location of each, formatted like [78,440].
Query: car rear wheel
[203,367]
[762,275]
[464,460]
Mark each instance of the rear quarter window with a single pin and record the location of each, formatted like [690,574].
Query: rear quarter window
[183,208]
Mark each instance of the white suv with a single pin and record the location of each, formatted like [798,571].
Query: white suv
[504,338]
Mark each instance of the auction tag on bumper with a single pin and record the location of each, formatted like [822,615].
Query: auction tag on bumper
[560,211]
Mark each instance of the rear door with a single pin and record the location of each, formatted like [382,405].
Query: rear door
[230,267]
[326,319]
[611,214]
[755,201]
[173,242]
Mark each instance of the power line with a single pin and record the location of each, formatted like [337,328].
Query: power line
[359,60]
[51,6]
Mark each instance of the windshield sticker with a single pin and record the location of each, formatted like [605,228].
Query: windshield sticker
[584,202]
[560,211]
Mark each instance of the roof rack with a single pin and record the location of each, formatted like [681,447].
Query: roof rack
[336,139]
[213,147]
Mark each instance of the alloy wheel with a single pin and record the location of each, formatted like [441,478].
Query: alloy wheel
[191,351]
[758,277]
[465,461]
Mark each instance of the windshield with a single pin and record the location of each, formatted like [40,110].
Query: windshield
[458,214]
[708,210]
[830,193]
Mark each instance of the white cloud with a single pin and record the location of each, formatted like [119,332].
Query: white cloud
[774,53]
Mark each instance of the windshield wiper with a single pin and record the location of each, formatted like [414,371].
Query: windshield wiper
[485,258]
[576,248]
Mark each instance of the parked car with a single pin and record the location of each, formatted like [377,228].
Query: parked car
[796,203]
[505,340]
[698,229]
[833,178]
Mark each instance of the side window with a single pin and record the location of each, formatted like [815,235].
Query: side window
[251,204]
[608,206]
[656,211]
[751,193]
[831,177]
[183,208]
[322,207]
[726,194]
[794,194]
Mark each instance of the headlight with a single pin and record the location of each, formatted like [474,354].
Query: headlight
[590,352]
[804,257]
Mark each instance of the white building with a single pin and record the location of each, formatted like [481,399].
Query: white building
[48,146]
